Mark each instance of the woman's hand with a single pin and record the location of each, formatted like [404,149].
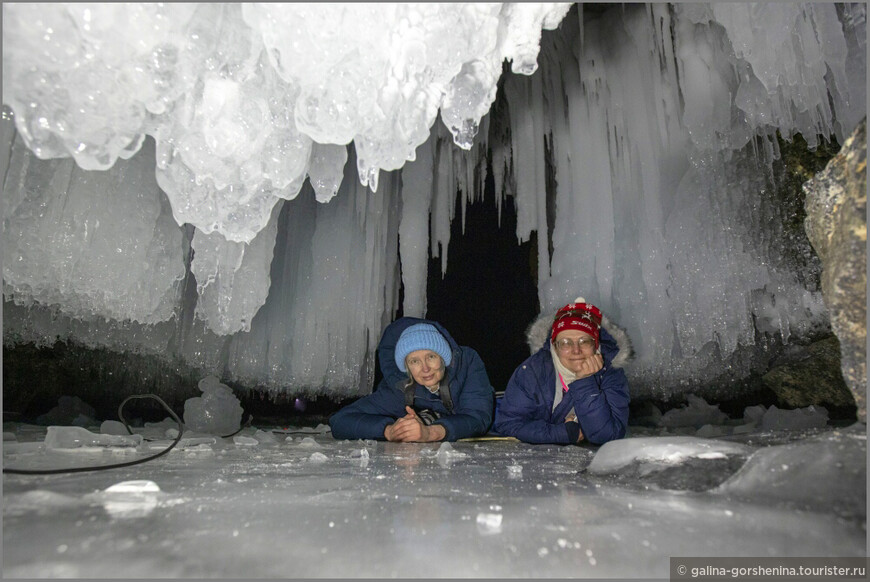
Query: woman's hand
[588,366]
[410,429]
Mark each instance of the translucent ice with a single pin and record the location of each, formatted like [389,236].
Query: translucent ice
[216,412]
[73,242]
[798,419]
[245,441]
[130,499]
[659,147]
[232,278]
[234,94]
[830,469]
[317,458]
[265,438]
[695,413]
[446,455]
[489,523]
[113,427]
[655,452]
[309,443]
[74,437]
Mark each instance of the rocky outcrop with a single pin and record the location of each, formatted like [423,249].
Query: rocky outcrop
[810,375]
[836,224]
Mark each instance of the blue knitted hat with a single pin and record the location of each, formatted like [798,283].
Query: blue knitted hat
[421,336]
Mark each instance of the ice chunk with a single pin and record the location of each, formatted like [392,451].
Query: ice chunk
[489,523]
[362,455]
[113,427]
[446,455]
[753,414]
[218,411]
[142,486]
[656,452]
[192,443]
[130,499]
[265,437]
[245,441]
[74,437]
[317,458]
[829,470]
[798,419]
[695,413]
[309,443]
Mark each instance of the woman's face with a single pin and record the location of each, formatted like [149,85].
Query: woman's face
[426,367]
[573,346]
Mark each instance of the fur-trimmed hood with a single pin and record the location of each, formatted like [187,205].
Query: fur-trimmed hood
[538,336]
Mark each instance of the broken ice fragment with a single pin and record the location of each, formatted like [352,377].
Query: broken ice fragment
[129,499]
[309,443]
[489,523]
[245,441]
[798,419]
[74,437]
[317,458]
[113,427]
[217,411]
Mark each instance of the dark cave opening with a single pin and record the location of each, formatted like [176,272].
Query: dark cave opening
[488,296]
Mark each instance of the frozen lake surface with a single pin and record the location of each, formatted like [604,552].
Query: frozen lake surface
[311,506]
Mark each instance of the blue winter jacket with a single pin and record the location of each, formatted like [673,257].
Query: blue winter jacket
[470,390]
[600,401]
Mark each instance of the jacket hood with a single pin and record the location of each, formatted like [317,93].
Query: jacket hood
[614,340]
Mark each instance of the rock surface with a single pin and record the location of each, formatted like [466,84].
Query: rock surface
[810,375]
[836,224]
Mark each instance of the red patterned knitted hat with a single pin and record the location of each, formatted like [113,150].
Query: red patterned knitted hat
[577,315]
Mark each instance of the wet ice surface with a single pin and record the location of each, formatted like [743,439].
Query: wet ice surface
[263,506]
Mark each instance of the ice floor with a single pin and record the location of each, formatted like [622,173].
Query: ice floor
[310,506]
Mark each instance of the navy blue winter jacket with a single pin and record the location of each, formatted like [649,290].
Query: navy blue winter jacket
[470,391]
[600,401]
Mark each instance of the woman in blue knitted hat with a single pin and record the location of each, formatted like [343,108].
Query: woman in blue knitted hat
[433,389]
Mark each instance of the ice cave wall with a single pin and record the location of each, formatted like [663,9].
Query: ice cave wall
[659,120]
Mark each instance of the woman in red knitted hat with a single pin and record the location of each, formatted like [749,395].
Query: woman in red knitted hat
[570,390]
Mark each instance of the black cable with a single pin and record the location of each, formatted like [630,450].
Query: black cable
[241,428]
[116,465]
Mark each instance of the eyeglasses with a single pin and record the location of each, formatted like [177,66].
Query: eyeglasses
[433,360]
[566,345]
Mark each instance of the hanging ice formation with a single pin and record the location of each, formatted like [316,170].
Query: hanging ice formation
[657,119]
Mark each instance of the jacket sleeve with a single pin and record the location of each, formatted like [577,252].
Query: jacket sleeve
[473,403]
[524,411]
[601,410]
[367,417]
